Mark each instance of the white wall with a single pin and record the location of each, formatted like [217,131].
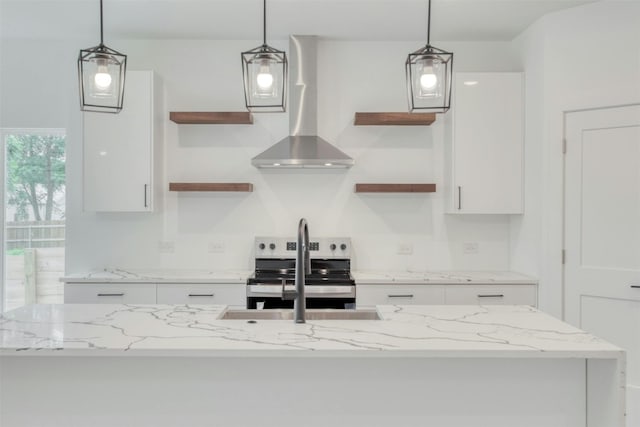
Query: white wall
[205,75]
[581,58]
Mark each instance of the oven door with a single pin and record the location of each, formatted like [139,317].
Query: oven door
[268,296]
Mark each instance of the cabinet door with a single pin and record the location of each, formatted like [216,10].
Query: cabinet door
[487,143]
[397,294]
[118,151]
[109,293]
[491,294]
[187,293]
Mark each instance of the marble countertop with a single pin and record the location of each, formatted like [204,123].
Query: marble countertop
[115,275]
[195,330]
[443,277]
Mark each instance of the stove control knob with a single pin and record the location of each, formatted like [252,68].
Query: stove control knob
[332,246]
[262,246]
[272,246]
[343,247]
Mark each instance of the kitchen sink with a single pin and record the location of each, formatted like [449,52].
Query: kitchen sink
[311,314]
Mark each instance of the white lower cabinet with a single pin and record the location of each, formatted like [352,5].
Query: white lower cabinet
[406,294]
[181,293]
[381,294]
[110,293]
[152,293]
[491,294]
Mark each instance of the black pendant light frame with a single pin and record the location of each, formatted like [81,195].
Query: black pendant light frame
[107,55]
[429,53]
[261,53]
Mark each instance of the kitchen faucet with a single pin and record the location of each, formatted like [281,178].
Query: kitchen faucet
[303,267]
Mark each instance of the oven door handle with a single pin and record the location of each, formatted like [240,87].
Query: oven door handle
[257,290]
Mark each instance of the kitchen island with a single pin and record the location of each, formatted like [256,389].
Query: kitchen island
[176,365]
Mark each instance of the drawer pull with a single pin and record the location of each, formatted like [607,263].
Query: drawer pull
[491,296]
[401,296]
[121,294]
[635,286]
[201,295]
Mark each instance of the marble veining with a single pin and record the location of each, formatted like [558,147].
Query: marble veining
[118,275]
[196,330]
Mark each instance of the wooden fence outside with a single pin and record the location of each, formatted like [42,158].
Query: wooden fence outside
[35,234]
[34,277]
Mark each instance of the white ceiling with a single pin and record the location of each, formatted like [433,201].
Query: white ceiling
[454,20]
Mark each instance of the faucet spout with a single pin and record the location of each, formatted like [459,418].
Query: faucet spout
[303,267]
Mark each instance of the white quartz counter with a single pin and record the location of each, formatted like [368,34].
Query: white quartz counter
[443,277]
[180,330]
[114,275]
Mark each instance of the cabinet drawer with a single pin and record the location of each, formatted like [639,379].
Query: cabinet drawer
[491,294]
[109,293]
[369,295]
[187,293]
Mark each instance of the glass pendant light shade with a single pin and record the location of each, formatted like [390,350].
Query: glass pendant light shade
[101,73]
[101,76]
[264,71]
[429,76]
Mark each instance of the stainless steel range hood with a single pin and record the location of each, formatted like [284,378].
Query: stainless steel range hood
[303,148]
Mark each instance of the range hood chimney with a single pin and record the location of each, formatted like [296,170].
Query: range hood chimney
[302,148]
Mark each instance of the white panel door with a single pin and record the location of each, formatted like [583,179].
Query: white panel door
[602,231]
[488,143]
[118,151]
[491,294]
[110,293]
[400,294]
[188,293]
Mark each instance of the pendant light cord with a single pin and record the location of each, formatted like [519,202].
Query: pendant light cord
[428,24]
[101,30]
[264,22]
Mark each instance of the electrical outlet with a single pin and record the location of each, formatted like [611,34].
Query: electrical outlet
[405,248]
[166,247]
[470,248]
[216,247]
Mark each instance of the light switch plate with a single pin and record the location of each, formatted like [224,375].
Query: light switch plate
[216,247]
[471,248]
[405,248]
[166,247]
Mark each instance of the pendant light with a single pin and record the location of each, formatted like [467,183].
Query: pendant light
[429,72]
[264,70]
[101,75]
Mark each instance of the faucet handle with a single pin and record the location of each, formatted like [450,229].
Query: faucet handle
[287,295]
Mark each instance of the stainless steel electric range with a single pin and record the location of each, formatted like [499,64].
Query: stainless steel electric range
[329,284]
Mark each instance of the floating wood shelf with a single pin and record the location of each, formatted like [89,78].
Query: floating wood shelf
[211,117]
[394,119]
[211,186]
[395,188]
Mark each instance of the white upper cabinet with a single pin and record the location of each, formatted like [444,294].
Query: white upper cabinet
[120,150]
[486,153]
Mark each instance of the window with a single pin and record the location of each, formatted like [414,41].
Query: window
[33,216]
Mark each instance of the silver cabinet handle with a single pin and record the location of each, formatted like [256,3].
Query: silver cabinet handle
[459,197]
[146,205]
[491,296]
[121,294]
[401,296]
[201,295]
[635,286]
